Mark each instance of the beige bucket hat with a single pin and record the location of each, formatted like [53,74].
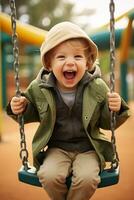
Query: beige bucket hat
[62,32]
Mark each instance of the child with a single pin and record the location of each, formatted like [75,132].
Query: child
[72,103]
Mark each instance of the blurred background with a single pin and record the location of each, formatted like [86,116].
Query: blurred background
[35,18]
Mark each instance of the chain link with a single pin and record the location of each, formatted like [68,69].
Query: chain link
[23,151]
[115,162]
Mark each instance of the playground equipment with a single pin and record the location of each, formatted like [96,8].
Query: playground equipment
[125,45]
[23,31]
[27,174]
[123,39]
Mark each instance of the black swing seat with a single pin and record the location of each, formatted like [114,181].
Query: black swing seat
[108,177]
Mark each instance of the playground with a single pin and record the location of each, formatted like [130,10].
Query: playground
[10,187]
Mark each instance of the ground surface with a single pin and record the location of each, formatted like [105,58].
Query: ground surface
[12,189]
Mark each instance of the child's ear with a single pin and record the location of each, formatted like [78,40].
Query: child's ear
[48,65]
[89,64]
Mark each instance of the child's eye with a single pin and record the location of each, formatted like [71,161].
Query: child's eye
[60,57]
[78,56]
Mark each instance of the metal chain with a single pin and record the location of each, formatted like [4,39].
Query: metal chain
[115,162]
[23,151]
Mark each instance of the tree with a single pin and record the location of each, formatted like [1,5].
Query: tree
[41,13]
[50,13]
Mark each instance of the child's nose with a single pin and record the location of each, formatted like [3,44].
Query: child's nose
[70,61]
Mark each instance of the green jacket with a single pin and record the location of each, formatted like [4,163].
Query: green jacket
[95,113]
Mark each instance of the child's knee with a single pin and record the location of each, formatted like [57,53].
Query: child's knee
[87,180]
[93,181]
[51,176]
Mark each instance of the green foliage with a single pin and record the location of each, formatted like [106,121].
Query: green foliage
[104,62]
[41,13]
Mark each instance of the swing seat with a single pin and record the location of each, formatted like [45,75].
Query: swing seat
[108,177]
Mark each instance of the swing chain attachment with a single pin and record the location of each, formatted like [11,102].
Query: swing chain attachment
[115,161]
[23,151]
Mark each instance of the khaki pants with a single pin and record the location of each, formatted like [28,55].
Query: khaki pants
[58,164]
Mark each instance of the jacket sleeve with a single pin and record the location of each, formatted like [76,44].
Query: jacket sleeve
[105,119]
[30,114]
[121,116]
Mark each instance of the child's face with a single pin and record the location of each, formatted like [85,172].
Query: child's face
[68,62]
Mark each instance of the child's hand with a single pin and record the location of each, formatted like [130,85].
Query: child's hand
[114,101]
[18,104]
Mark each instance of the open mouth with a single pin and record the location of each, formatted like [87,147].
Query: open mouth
[69,74]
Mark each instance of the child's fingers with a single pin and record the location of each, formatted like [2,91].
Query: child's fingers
[18,110]
[23,99]
[18,99]
[114,101]
[18,104]
[114,107]
[114,97]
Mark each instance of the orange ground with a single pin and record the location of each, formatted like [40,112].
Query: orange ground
[12,189]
